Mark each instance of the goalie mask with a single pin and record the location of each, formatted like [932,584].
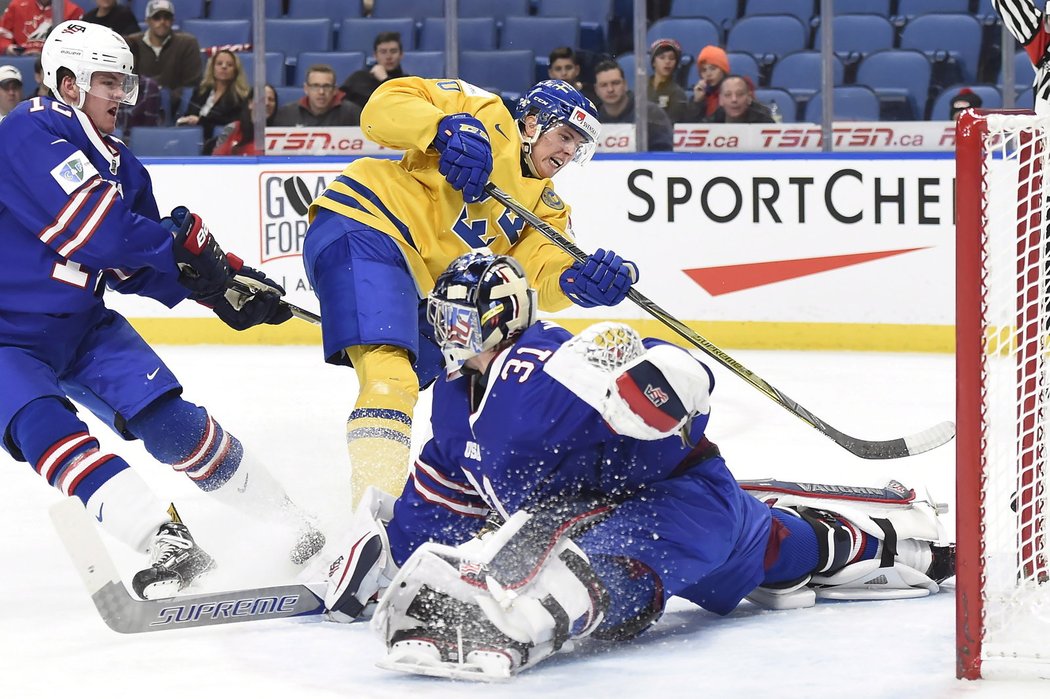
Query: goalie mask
[556,103]
[85,49]
[481,301]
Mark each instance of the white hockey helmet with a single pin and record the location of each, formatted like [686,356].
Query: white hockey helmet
[85,49]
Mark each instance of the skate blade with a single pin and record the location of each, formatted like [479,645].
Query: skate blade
[162,589]
[450,671]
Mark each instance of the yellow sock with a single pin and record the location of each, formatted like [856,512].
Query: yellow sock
[379,430]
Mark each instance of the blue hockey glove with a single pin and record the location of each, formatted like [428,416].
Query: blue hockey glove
[242,311]
[203,267]
[603,279]
[466,154]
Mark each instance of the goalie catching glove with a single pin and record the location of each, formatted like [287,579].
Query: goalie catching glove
[207,271]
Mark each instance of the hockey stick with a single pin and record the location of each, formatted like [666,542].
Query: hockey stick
[935,436]
[244,285]
[126,614]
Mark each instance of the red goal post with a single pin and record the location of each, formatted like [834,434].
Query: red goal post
[1003,394]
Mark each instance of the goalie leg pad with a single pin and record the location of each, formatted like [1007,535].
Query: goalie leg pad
[847,522]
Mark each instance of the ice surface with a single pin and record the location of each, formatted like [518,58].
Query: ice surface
[284,403]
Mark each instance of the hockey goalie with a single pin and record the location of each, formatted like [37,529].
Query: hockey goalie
[569,489]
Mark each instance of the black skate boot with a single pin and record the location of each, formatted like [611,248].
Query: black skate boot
[176,561]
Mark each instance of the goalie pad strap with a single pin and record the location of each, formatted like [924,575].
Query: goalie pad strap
[889,542]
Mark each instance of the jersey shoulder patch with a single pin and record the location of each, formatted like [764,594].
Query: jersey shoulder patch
[551,199]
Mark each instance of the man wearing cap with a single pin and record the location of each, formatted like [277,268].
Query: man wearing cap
[25,24]
[171,58]
[10,89]
[712,64]
[665,55]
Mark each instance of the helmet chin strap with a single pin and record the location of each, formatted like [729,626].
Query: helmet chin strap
[527,142]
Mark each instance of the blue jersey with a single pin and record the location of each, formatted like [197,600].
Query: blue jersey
[520,439]
[76,209]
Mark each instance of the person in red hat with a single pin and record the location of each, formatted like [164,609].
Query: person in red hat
[963,100]
[712,65]
[665,56]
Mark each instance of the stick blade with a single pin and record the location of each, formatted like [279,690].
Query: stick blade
[931,438]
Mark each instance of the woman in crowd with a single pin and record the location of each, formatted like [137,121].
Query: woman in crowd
[222,95]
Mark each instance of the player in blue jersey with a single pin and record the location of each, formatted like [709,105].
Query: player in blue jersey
[585,465]
[78,214]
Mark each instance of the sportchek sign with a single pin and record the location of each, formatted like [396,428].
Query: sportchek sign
[897,136]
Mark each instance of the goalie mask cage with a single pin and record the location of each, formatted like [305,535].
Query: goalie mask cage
[1003,395]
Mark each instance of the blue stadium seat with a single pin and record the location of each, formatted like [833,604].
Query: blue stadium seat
[1024,72]
[343,63]
[722,12]
[333,10]
[294,36]
[425,64]
[170,111]
[626,63]
[853,7]
[786,105]
[540,35]
[855,36]
[850,103]
[594,16]
[417,9]
[800,74]
[289,94]
[940,36]
[497,9]
[1025,99]
[508,72]
[359,33]
[900,78]
[802,9]
[990,96]
[274,61]
[219,32]
[170,141]
[768,37]
[229,9]
[475,34]
[915,8]
[692,33]
[739,64]
[24,64]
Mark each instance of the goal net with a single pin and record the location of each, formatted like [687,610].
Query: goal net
[1003,395]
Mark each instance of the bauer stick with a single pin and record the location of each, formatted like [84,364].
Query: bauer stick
[928,439]
[249,286]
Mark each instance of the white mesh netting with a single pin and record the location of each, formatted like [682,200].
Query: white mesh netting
[1015,394]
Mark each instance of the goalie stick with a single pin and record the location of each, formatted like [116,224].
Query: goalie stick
[126,614]
[928,439]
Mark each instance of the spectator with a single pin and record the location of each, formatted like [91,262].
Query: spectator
[323,104]
[963,100]
[147,111]
[238,137]
[221,97]
[713,66]
[564,64]
[665,55]
[119,18]
[386,49]
[172,58]
[616,105]
[737,104]
[26,23]
[41,89]
[10,89]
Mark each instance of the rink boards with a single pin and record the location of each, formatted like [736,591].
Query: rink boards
[787,252]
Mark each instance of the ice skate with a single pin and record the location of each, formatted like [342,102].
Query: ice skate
[176,561]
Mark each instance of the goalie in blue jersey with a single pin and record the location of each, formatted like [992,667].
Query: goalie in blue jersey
[570,488]
[78,214]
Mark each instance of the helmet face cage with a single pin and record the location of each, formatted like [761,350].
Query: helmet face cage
[556,102]
[85,49]
[480,301]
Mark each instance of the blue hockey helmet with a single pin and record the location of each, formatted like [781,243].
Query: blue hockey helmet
[556,102]
[481,301]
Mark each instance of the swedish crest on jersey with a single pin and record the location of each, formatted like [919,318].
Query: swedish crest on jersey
[551,199]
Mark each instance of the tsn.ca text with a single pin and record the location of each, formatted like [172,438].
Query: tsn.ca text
[808,137]
[845,196]
[312,142]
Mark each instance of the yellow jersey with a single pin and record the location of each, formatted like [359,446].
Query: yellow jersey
[411,201]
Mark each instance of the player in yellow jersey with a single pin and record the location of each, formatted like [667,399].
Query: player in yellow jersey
[384,230]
